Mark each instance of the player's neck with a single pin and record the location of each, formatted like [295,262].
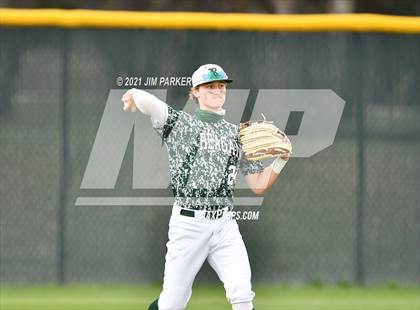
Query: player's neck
[219,110]
[209,116]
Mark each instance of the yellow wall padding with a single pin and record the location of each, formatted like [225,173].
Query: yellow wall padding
[209,21]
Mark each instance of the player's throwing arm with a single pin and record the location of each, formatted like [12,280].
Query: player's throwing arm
[148,104]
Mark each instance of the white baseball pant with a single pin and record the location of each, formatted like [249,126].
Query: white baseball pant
[191,242]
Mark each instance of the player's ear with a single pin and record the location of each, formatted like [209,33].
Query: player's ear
[194,91]
[194,94]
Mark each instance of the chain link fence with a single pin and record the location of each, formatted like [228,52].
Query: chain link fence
[349,213]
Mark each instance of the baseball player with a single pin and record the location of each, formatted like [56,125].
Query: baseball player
[204,156]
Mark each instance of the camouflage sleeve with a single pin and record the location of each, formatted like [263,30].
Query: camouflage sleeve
[165,130]
[250,166]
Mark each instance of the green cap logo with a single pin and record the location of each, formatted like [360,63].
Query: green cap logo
[213,74]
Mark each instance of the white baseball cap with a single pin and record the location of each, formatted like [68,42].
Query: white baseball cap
[209,73]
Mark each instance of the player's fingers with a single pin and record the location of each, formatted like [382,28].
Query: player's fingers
[127,101]
[129,93]
[126,106]
[125,97]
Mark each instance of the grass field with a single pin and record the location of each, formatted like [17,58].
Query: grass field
[208,297]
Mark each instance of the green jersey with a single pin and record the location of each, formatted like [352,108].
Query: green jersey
[204,157]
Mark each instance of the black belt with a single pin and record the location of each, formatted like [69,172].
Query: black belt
[208,214]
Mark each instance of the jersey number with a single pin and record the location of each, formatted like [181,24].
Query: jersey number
[231,175]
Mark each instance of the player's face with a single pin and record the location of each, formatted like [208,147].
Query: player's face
[211,96]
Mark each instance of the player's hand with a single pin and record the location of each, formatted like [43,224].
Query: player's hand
[128,101]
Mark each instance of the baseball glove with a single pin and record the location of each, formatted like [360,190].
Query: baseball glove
[261,139]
